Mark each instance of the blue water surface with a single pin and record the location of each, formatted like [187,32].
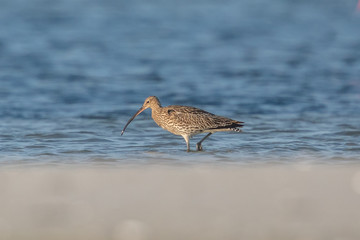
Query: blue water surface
[72,72]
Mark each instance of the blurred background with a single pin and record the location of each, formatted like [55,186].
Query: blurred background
[72,72]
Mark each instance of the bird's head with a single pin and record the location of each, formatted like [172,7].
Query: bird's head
[150,102]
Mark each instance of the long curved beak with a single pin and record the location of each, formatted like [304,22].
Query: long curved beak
[137,113]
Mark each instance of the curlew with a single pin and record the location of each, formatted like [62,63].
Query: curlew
[187,121]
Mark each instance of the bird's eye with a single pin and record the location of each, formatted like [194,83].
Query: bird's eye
[147,101]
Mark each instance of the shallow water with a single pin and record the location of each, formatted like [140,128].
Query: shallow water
[73,73]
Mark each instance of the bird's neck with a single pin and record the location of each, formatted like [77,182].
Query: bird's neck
[156,107]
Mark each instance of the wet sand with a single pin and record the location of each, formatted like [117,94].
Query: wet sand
[133,203]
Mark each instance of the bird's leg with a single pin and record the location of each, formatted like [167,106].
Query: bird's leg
[187,140]
[198,145]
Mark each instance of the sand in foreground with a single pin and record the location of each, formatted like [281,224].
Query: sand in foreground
[286,202]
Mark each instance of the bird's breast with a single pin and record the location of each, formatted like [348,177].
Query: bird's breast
[166,122]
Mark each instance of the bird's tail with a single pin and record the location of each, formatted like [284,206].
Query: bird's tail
[235,129]
[231,127]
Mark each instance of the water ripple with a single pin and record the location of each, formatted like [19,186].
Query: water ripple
[73,74]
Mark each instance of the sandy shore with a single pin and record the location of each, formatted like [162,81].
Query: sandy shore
[170,203]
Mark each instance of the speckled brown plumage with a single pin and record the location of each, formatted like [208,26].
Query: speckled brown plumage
[187,121]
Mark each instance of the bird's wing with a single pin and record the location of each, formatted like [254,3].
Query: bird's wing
[198,118]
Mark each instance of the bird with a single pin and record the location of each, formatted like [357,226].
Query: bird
[186,121]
